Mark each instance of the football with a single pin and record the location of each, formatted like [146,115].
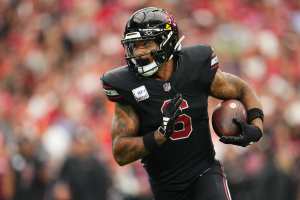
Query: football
[223,115]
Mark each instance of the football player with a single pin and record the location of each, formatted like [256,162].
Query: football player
[161,109]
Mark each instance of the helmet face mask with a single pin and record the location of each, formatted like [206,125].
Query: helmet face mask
[150,24]
[144,63]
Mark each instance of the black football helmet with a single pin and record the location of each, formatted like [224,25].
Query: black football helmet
[155,24]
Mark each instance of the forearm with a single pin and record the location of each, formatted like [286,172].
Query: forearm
[228,86]
[249,98]
[129,149]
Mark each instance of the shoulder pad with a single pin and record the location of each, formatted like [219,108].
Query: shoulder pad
[120,78]
[202,52]
[199,65]
[113,77]
[118,83]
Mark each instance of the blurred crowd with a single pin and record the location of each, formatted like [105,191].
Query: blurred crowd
[55,121]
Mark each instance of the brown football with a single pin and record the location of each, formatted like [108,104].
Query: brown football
[224,113]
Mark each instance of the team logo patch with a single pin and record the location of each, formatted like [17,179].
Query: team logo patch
[140,93]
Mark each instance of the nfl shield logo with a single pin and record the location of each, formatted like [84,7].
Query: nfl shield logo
[167,87]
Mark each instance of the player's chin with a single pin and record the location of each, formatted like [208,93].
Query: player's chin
[144,60]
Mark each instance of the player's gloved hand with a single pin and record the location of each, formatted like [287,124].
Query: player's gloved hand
[170,113]
[249,134]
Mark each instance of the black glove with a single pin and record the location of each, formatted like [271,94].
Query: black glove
[170,113]
[249,134]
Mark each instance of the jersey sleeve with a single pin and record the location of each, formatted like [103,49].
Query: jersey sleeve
[118,84]
[112,93]
[209,69]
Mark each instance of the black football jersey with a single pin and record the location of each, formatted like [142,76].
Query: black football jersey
[189,152]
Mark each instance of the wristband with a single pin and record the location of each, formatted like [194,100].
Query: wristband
[150,142]
[254,113]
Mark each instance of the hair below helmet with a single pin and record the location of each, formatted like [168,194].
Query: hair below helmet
[155,24]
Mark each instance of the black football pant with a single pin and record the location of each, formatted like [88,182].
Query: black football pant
[212,185]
